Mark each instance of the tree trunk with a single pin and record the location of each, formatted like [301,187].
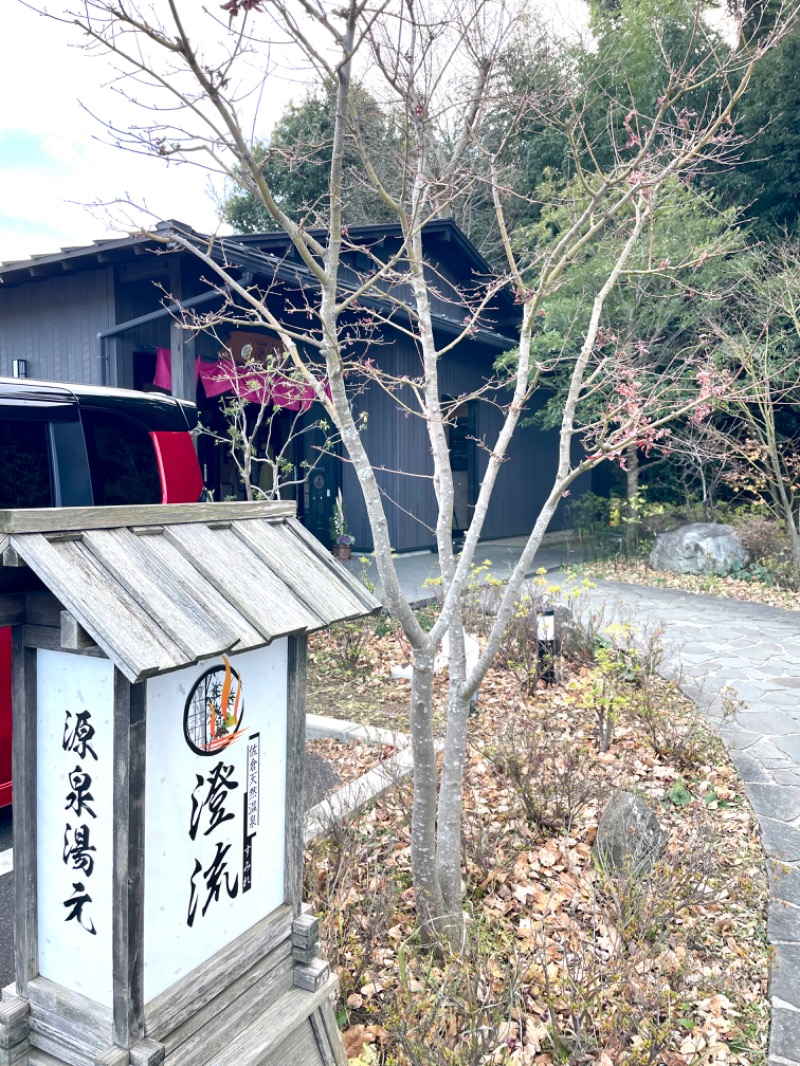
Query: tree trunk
[448,839]
[707,506]
[631,494]
[431,911]
[793,526]
[450,820]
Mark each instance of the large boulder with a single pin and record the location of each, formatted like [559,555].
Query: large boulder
[700,548]
[629,839]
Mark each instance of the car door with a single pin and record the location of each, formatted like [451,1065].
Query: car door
[43,451]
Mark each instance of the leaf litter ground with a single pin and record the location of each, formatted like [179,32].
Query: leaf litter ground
[632,571]
[565,964]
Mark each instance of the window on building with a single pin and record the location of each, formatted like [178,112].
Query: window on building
[122,460]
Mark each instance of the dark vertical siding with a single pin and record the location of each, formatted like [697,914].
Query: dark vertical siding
[142,298]
[526,477]
[380,434]
[53,323]
[400,440]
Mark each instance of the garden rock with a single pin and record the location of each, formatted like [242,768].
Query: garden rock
[629,838]
[700,548]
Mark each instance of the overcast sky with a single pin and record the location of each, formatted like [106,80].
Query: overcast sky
[54,158]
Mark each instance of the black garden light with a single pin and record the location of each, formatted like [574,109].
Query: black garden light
[546,642]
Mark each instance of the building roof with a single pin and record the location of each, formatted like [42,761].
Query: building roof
[116,249]
[272,256]
[162,587]
[443,230]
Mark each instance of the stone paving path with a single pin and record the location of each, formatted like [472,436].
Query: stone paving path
[710,643]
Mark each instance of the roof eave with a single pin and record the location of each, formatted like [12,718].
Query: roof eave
[158,596]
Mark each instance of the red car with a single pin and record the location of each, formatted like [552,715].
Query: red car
[79,446]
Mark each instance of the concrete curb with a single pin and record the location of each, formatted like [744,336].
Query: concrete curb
[320,727]
[352,797]
[357,794]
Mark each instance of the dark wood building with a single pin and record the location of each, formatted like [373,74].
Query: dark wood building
[98,314]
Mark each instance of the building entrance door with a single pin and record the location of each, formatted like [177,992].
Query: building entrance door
[321,487]
[462,434]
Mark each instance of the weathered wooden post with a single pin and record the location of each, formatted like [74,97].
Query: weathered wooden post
[159,726]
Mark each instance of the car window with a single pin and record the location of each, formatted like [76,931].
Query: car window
[122,460]
[24,464]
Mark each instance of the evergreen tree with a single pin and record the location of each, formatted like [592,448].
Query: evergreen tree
[594,103]
[296,163]
[654,324]
[644,48]
[766,181]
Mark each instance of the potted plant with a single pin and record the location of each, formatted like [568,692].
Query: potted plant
[342,539]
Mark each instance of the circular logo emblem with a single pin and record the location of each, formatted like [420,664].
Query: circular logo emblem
[214,710]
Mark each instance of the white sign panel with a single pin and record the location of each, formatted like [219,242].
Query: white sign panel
[75,735]
[214,807]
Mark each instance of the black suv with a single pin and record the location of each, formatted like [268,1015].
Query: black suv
[78,445]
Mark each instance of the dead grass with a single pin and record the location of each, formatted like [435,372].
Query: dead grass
[368,694]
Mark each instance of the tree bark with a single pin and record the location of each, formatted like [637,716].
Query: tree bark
[631,498]
[451,788]
[431,909]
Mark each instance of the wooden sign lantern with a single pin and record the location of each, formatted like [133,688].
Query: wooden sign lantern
[159,742]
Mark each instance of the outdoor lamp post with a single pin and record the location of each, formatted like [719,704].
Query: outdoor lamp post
[546,641]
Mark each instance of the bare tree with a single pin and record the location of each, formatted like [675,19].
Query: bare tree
[263,413]
[704,459]
[760,340]
[434,65]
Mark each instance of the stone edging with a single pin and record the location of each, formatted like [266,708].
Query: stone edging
[351,797]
